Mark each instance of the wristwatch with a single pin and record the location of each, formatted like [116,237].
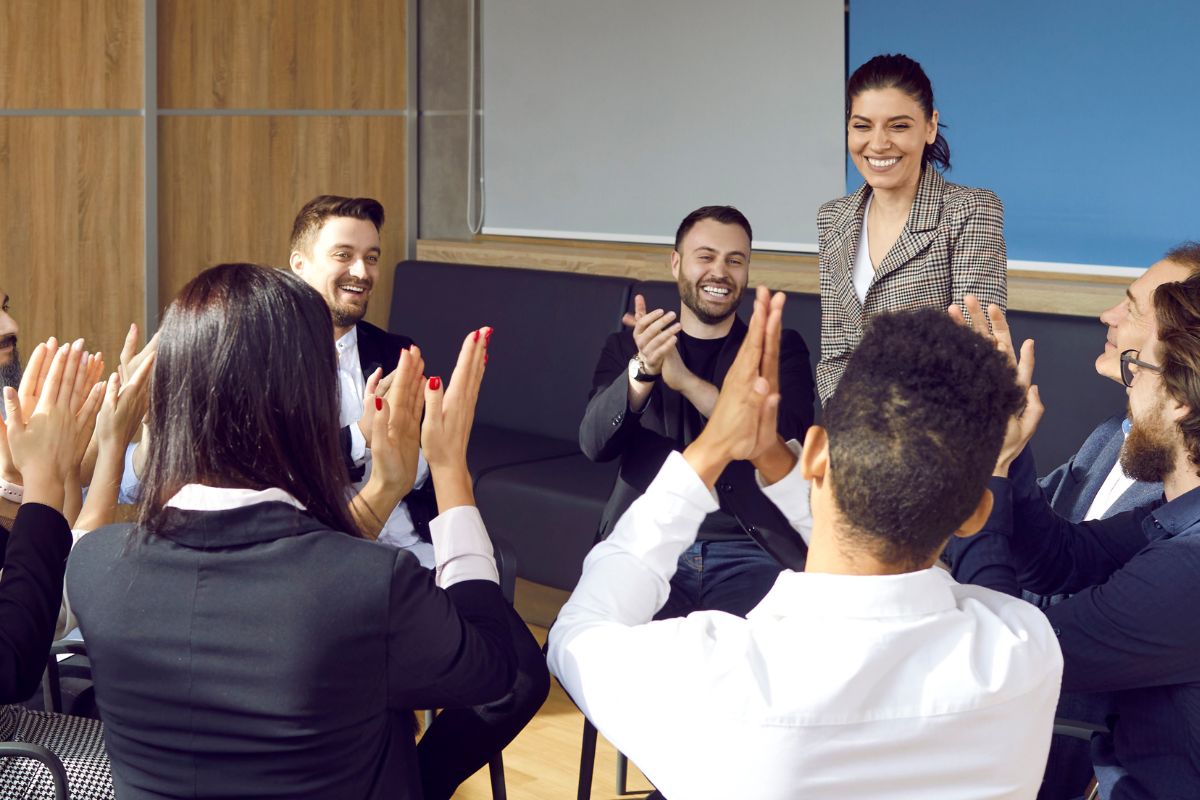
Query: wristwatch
[637,371]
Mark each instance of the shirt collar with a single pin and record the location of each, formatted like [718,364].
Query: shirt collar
[801,594]
[348,340]
[1180,516]
[198,497]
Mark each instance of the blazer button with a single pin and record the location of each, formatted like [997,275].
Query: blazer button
[750,529]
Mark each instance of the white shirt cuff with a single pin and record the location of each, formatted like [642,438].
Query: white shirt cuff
[462,548]
[790,494]
[358,443]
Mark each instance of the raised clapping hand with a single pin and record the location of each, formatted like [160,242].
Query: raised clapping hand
[396,424]
[743,424]
[655,333]
[1022,425]
[43,439]
[449,414]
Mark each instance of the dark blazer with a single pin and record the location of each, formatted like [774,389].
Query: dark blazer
[378,348]
[1073,486]
[643,441]
[30,595]
[1070,490]
[952,245]
[253,652]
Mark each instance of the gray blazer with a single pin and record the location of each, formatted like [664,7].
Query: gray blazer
[952,245]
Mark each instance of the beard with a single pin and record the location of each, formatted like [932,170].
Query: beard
[1149,451]
[692,297]
[347,316]
[10,373]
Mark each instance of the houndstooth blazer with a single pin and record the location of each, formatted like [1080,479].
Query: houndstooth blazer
[952,245]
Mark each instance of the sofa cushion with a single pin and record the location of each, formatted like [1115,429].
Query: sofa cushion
[549,326]
[549,511]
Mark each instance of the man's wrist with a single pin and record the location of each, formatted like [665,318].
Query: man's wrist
[707,458]
[774,463]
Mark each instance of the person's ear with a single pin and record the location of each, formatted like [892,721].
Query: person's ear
[296,262]
[675,261]
[814,455]
[974,523]
[932,132]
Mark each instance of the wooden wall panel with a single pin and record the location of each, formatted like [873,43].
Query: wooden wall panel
[308,54]
[71,53]
[229,188]
[71,222]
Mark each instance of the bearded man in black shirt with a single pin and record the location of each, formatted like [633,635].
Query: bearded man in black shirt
[653,389]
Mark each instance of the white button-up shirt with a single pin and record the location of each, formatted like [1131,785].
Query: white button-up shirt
[398,530]
[834,686]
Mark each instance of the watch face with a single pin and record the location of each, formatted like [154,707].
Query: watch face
[635,367]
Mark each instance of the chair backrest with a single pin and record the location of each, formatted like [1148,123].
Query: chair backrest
[550,327]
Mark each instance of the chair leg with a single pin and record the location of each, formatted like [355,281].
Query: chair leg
[496,772]
[622,773]
[51,691]
[587,761]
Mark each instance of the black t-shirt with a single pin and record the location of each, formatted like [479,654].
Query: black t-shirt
[700,356]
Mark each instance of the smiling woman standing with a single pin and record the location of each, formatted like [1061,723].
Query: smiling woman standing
[907,238]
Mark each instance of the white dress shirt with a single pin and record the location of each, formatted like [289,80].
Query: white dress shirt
[834,686]
[863,271]
[398,529]
[1115,485]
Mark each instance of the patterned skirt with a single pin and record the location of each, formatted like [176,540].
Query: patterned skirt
[77,741]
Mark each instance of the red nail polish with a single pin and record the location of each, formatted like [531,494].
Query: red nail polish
[379,404]
[488,336]
[476,337]
[435,383]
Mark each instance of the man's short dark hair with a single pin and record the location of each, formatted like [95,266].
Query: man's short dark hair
[325,207]
[1187,255]
[914,431]
[726,215]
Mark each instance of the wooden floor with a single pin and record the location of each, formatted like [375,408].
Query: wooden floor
[543,762]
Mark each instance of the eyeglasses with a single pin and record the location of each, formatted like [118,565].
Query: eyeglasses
[1128,359]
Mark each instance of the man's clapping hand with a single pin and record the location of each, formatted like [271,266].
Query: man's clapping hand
[743,422]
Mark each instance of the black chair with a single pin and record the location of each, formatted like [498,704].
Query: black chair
[587,764]
[1080,730]
[506,567]
[58,775]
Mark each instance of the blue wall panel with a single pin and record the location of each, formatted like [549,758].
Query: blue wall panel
[1083,115]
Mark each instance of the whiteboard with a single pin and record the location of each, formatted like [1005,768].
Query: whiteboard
[612,119]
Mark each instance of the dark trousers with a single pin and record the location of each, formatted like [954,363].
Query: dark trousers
[462,740]
[725,576]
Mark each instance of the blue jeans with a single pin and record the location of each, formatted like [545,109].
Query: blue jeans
[728,576]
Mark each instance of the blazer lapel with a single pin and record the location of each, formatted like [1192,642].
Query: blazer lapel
[846,232]
[921,226]
[729,350]
[369,356]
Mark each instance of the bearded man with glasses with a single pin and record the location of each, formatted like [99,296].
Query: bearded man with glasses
[1127,628]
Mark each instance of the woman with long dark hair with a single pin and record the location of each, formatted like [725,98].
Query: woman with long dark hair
[907,238]
[245,640]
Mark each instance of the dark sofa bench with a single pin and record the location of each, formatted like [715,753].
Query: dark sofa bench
[533,485]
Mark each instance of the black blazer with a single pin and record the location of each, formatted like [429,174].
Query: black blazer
[255,653]
[30,595]
[643,441]
[378,348]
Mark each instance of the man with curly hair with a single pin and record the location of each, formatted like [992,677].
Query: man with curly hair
[871,674]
